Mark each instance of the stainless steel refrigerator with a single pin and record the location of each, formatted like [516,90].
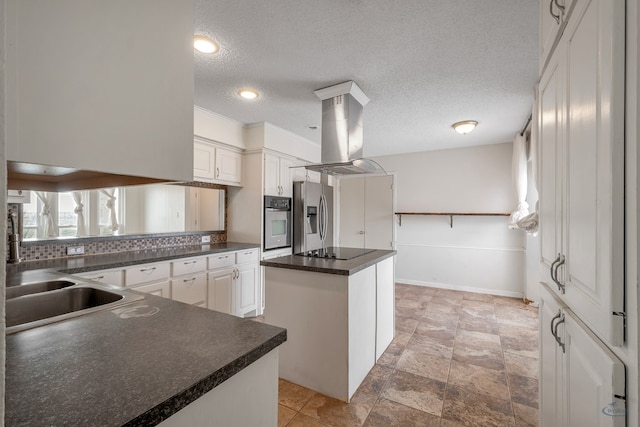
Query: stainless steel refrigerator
[312,216]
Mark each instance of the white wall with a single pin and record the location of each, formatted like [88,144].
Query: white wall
[479,253]
[215,127]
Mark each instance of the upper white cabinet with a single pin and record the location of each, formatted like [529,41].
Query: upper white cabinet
[553,18]
[581,130]
[212,163]
[87,94]
[278,175]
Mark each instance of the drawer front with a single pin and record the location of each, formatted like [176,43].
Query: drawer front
[248,255]
[188,266]
[223,259]
[190,289]
[146,273]
[110,277]
[162,289]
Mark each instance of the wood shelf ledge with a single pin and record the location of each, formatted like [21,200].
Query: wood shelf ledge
[450,215]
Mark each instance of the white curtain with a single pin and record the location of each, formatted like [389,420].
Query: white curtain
[111,205]
[48,225]
[79,211]
[519,177]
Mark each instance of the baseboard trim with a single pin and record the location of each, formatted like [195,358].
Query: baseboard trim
[461,288]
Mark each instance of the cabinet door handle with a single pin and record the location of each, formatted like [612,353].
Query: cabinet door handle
[556,17]
[555,334]
[95,278]
[223,257]
[189,262]
[361,231]
[217,172]
[142,270]
[552,268]
[193,279]
[556,317]
[559,6]
[561,286]
[248,253]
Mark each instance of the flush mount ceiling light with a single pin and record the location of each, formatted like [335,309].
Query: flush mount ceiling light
[205,44]
[465,126]
[248,93]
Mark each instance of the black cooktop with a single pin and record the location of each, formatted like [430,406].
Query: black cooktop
[335,252]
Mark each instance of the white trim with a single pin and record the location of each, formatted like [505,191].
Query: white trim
[460,288]
[204,110]
[349,87]
[474,248]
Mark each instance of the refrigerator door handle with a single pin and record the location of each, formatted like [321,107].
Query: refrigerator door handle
[323,217]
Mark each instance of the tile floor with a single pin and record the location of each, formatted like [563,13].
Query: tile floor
[458,359]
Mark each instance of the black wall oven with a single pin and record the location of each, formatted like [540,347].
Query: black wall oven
[277,222]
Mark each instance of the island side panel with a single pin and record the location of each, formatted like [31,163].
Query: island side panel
[249,398]
[313,307]
[362,326]
[385,305]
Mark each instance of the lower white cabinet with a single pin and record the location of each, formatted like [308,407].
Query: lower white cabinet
[161,289]
[108,277]
[234,288]
[582,382]
[190,289]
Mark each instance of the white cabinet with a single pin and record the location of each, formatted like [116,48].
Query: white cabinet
[212,163]
[190,289]
[234,282]
[582,383]
[278,175]
[553,17]
[146,273]
[126,110]
[161,289]
[581,128]
[108,277]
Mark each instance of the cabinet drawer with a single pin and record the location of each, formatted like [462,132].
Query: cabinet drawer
[248,255]
[188,266]
[109,277]
[221,260]
[146,273]
[190,289]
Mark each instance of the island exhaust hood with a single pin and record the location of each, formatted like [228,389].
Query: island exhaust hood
[342,133]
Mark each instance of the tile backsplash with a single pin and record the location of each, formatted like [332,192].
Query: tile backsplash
[31,251]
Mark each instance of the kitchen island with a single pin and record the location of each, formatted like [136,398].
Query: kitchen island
[339,316]
[153,361]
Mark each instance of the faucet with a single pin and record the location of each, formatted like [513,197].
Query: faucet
[14,240]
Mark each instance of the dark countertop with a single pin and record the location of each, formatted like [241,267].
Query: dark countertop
[112,368]
[106,369]
[28,271]
[330,266]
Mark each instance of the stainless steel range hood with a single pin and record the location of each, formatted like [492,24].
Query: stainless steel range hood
[342,131]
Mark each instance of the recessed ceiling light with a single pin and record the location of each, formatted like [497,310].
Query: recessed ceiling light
[465,126]
[248,93]
[205,44]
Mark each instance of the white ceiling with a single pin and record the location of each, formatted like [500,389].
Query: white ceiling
[424,64]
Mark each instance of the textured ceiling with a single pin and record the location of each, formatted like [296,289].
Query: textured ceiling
[424,64]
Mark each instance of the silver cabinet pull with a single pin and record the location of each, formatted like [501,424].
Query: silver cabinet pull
[361,231]
[248,253]
[142,270]
[556,317]
[559,6]
[223,257]
[193,279]
[555,334]
[189,262]
[96,278]
[556,17]
[554,276]
[552,268]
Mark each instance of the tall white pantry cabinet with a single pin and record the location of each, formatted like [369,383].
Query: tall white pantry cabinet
[581,140]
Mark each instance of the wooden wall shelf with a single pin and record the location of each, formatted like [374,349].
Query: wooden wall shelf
[450,215]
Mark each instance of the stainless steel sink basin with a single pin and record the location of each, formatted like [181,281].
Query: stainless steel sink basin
[34,288]
[70,299]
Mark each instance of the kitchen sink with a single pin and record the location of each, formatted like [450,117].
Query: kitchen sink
[34,288]
[48,302]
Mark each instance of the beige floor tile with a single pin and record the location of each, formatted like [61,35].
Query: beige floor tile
[439,316]
[447,300]
[478,348]
[520,341]
[391,355]
[431,346]
[285,415]
[481,380]
[478,323]
[442,332]
[386,413]
[301,420]
[337,413]
[521,365]
[476,409]
[375,380]
[439,307]
[526,416]
[410,303]
[401,338]
[524,390]
[411,313]
[425,365]
[292,395]
[417,392]
[404,324]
